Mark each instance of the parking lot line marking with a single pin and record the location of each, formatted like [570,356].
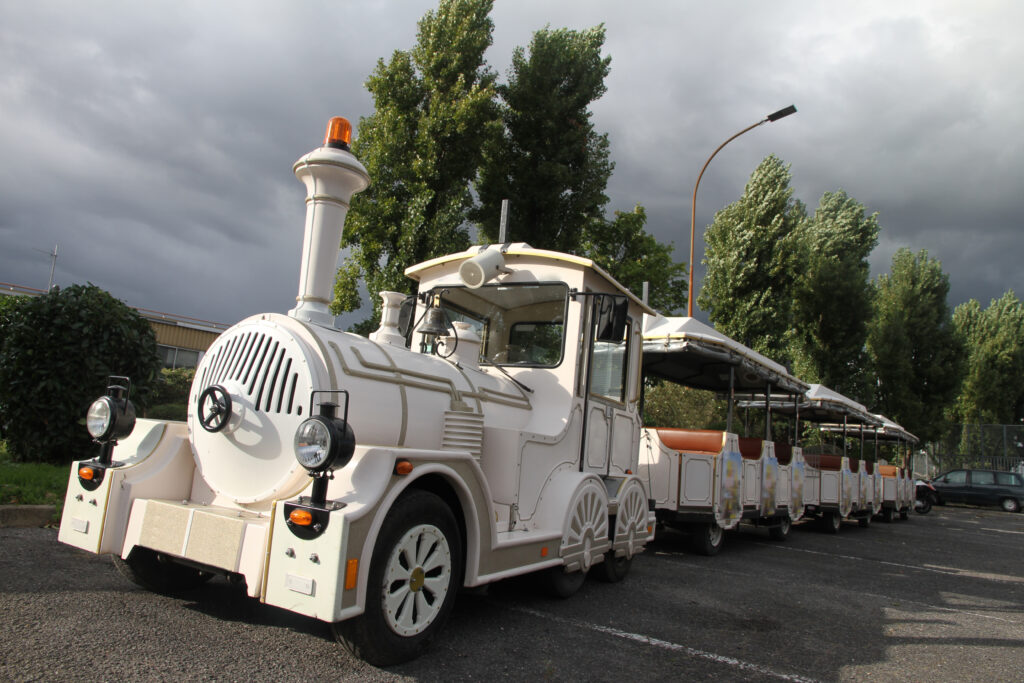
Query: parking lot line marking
[1003,531]
[665,645]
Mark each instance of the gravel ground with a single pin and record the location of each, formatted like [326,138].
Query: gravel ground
[940,596]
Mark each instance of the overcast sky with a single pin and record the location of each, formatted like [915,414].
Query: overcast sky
[153,141]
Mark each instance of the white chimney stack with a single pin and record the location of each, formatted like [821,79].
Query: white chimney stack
[331,175]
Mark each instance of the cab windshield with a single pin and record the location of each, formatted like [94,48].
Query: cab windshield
[522,325]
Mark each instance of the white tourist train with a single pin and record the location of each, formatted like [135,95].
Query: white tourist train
[489,428]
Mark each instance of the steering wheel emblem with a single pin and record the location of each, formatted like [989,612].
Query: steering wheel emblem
[214,408]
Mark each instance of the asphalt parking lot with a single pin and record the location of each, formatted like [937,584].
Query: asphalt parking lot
[940,596]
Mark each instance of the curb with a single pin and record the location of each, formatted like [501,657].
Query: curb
[26,515]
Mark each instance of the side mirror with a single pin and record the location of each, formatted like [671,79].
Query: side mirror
[611,317]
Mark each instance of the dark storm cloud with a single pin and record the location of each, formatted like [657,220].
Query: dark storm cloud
[154,141]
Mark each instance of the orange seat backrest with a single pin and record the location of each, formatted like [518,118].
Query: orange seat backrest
[888,470]
[702,441]
[783,452]
[750,448]
[824,461]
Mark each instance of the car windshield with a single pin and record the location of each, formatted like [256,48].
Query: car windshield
[519,324]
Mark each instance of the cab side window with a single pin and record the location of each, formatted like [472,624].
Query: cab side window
[608,379]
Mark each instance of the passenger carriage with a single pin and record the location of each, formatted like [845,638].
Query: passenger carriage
[707,481]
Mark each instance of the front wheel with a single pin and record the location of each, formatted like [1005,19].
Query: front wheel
[923,506]
[1010,505]
[415,572]
[831,521]
[865,521]
[708,538]
[781,531]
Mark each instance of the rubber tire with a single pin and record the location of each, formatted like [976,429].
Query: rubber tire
[923,506]
[613,569]
[368,636]
[558,583]
[707,538]
[904,514]
[1009,505]
[888,515]
[864,522]
[781,531]
[146,569]
[830,522]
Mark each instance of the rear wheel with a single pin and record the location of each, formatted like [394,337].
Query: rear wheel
[707,538]
[415,572]
[559,583]
[781,531]
[923,506]
[1010,505]
[150,570]
[864,521]
[613,569]
[888,515]
[831,521]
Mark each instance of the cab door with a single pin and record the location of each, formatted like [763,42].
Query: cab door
[612,425]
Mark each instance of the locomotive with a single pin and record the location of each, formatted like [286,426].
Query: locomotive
[489,428]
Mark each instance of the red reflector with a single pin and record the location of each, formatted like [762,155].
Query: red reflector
[86,473]
[544,551]
[301,517]
[403,467]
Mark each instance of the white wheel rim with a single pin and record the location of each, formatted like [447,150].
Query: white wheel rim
[631,519]
[416,580]
[715,534]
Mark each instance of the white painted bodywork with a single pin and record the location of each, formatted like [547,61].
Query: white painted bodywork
[533,464]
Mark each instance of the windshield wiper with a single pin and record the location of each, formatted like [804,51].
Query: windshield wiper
[506,373]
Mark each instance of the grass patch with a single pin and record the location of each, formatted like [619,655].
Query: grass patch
[32,483]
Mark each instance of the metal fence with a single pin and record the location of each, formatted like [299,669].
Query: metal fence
[976,446]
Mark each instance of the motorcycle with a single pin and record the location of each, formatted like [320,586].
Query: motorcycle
[925,496]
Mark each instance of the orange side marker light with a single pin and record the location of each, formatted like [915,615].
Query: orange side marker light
[86,473]
[403,467]
[351,573]
[301,517]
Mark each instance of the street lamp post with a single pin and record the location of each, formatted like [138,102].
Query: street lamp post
[782,113]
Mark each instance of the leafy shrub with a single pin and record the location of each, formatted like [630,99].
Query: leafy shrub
[172,387]
[56,353]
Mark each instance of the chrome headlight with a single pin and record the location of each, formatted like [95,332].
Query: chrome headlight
[100,418]
[323,443]
[110,419]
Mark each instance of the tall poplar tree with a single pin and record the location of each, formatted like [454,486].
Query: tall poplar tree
[422,147]
[916,354]
[549,161]
[752,257]
[833,295]
[992,391]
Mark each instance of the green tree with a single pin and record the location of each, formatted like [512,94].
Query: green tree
[752,257]
[56,353]
[623,248]
[422,147]
[914,349]
[833,295]
[549,161]
[993,338]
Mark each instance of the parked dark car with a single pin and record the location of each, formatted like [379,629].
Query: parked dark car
[981,487]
